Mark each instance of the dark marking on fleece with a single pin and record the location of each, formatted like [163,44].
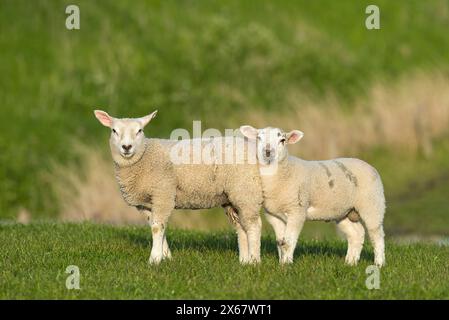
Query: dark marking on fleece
[348,173]
[147,198]
[143,208]
[329,174]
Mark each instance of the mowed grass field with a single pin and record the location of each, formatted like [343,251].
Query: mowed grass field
[113,265]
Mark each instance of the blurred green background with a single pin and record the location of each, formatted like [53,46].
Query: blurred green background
[225,63]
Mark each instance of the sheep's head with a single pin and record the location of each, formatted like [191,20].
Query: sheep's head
[127,137]
[271,142]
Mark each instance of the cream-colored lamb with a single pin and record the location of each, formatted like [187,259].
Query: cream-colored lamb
[348,191]
[152,181]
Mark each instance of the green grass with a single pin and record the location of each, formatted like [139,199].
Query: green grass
[190,59]
[207,60]
[113,264]
[416,190]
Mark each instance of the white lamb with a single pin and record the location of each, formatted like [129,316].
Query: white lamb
[150,181]
[348,191]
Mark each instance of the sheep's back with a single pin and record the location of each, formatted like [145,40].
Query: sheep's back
[223,169]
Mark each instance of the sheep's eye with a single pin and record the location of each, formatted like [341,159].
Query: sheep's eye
[282,141]
[114,131]
[140,131]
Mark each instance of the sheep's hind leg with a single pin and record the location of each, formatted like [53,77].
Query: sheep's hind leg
[279,230]
[355,235]
[241,234]
[243,244]
[377,235]
[372,217]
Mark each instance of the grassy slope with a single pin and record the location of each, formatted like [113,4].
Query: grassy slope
[193,60]
[112,264]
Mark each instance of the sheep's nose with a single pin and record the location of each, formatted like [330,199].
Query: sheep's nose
[127,147]
[268,152]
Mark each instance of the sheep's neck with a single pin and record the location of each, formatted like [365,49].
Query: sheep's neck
[270,174]
[128,178]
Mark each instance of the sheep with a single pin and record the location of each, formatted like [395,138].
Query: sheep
[150,180]
[345,190]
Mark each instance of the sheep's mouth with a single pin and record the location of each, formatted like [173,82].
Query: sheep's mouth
[127,154]
[267,160]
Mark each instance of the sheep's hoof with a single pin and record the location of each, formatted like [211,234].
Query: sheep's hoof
[167,255]
[155,260]
[244,260]
[250,261]
[351,261]
[380,264]
[285,261]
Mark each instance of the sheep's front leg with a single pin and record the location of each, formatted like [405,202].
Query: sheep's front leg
[158,223]
[293,227]
[158,232]
[279,230]
[166,253]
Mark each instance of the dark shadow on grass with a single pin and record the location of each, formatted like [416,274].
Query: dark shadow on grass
[184,240]
[329,249]
[226,241]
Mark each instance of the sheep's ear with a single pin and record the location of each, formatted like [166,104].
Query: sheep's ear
[294,136]
[104,118]
[145,120]
[249,132]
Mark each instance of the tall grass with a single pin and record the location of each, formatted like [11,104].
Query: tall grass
[405,116]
